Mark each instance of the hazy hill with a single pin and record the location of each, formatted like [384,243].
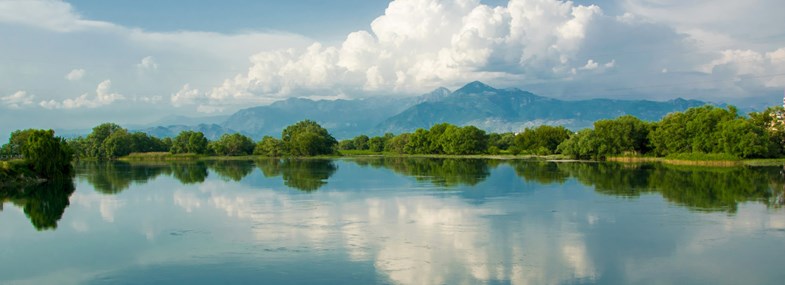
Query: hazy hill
[495,110]
[512,109]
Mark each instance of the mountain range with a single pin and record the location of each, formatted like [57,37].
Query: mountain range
[488,108]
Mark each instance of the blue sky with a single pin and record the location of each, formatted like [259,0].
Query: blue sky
[74,64]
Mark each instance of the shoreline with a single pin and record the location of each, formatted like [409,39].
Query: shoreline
[165,157]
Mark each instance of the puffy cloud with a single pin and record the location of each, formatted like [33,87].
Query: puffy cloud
[421,44]
[186,95]
[17,100]
[75,74]
[767,67]
[148,63]
[102,97]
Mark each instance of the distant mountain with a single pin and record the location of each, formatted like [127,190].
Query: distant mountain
[189,121]
[211,131]
[344,118]
[502,110]
[477,104]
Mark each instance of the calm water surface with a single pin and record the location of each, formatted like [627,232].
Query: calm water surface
[397,221]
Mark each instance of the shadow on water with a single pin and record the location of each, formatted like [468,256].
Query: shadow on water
[43,204]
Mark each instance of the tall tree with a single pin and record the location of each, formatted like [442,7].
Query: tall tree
[308,138]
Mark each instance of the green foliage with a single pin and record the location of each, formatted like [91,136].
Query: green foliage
[582,145]
[189,142]
[625,134]
[397,144]
[48,155]
[346,145]
[463,140]
[501,141]
[417,142]
[95,140]
[16,143]
[233,145]
[307,138]
[376,144]
[360,142]
[713,130]
[441,139]
[269,146]
[542,140]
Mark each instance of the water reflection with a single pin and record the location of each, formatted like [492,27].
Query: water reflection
[302,174]
[232,170]
[444,172]
[43,204]
[114,177]
[552,223]
[705,189]
[699,188]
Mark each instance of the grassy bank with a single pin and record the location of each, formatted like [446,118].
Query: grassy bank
[699,159]
[160,156]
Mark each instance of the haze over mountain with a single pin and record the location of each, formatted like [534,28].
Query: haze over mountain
[476,103]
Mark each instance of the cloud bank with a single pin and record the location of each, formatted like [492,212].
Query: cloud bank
[635,49]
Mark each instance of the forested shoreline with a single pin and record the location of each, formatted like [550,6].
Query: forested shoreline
[707,132]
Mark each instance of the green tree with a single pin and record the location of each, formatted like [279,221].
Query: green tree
[269,146]
[17,142]
[360,142]
[376,144]
[189,142]
[541,140]
[625,134]
[98,136]
[463,140]
[397,144]
[417,142]
[307,138]
[48,155]
[501,141]
[118,144]
[346,145]
[233,145]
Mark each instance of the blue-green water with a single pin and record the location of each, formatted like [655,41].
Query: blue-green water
[397,221]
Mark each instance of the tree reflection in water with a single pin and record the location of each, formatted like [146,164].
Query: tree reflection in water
[232,170]
[43,204]
[698,188]
[303,174]
[443,172]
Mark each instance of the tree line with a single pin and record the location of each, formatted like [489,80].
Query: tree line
[703,130]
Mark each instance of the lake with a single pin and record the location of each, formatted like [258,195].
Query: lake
[397,221]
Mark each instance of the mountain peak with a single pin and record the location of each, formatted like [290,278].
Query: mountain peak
[475,87]
[437,94]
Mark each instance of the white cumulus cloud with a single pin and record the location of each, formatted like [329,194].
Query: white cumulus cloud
[422,44]
[103,96]
[75,74]
[17,100]
[147,63]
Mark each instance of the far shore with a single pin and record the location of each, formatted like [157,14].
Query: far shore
[163,156]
